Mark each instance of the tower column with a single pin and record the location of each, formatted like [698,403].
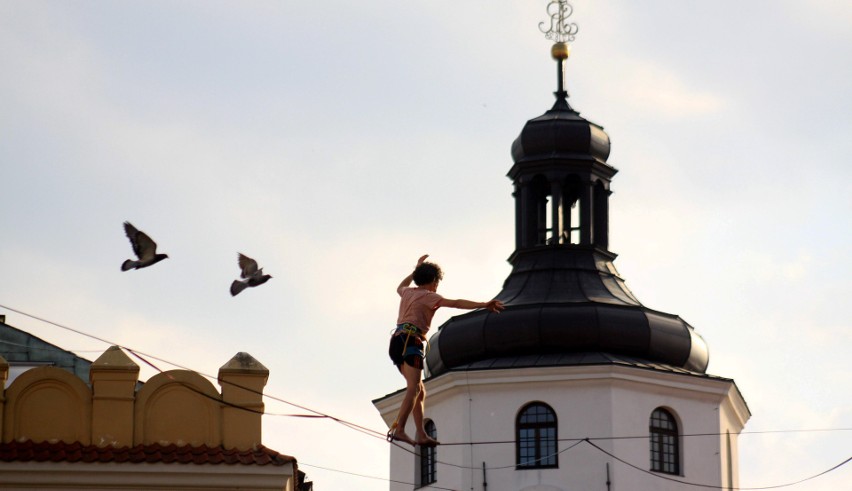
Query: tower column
[586,213]
[530,214]
[556,215]
[519,210]
[601,201]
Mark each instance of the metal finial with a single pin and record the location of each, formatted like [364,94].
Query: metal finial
[560,29]
[561,32]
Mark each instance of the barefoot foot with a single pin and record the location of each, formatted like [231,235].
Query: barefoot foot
[426,441]
[399,436]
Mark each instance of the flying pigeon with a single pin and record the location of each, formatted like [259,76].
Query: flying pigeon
[251,274]
[144,248]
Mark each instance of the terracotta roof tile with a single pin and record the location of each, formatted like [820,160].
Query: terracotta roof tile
[29,451]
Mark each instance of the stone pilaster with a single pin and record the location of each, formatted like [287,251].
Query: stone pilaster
[242,380]
[113,377]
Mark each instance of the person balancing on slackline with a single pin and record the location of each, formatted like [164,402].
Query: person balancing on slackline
[417,305]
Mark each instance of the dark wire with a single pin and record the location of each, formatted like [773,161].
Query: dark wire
[411,451]
[431,486]
[712,486]
[211,377]
[348,424]
[646,437]
[316,413]
[319,414]
[376,434]
[72,351]
[586,440]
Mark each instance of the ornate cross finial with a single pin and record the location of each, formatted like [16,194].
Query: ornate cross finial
[560,29]
[561,32]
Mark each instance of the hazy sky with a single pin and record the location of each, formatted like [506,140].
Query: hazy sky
[337,141]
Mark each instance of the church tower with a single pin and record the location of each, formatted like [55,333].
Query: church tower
[576,385]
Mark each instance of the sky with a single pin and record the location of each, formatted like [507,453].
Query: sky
[335,142]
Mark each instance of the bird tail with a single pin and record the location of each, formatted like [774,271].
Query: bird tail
[126,265]
[237,287]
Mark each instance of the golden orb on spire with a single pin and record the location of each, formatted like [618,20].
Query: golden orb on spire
[560,51]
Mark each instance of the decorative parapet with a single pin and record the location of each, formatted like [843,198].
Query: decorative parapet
[180,407]
[48,404]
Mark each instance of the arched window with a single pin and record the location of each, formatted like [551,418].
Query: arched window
[665,447]
[572,192]
[600,202]
[542,209]
[535,431]
[427,458]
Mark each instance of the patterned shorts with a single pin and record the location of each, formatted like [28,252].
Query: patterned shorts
[410,352]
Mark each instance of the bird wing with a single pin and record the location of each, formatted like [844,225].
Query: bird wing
[247,265]
[130,231]
[143,246]
[237,287]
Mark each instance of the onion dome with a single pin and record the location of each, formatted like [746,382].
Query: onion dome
[560,133]
[561,302]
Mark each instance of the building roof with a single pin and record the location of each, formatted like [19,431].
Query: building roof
[29,451]
[560,133]
[562,301]
[21,347]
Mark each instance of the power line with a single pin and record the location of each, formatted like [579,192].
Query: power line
[432,486]
[49,348]
[376,434]
[646,437]
[59,325]
[137,353]
[576,441]
[144,357]
[319,414]
[712,486]
[362,429]
[445,444]
[660,476]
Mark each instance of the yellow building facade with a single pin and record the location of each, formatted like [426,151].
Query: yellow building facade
[175,431]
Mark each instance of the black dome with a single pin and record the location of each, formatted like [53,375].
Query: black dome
[560,133]
[566,299]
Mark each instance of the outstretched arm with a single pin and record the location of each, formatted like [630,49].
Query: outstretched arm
[408,279]
[493,305]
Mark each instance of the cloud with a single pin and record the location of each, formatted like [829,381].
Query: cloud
[645,86]
[820,16]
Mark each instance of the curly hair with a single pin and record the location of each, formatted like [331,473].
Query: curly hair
[426,273]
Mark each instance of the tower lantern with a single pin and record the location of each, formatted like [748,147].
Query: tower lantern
[560,175]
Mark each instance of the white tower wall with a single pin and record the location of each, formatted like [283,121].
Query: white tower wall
[604,403]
